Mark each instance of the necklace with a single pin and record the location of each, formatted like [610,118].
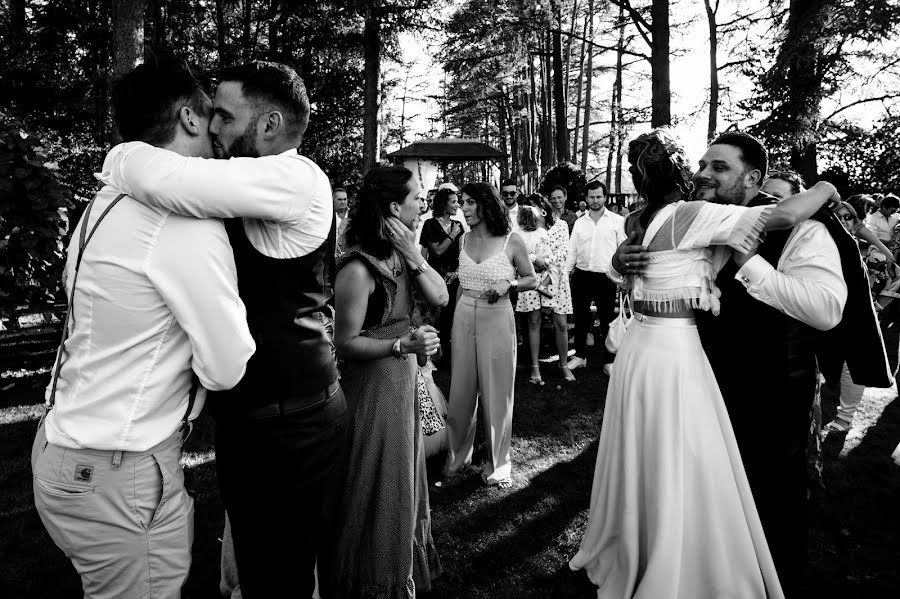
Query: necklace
[395,266]
[445,222]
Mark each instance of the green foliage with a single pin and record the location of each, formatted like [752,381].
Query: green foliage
[33,221]
[569,176]
[864,161]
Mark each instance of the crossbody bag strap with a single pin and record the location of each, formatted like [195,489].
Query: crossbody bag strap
[81,247]
[187,426]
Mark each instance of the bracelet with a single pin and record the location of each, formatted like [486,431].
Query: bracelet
[396,352]
[420,269]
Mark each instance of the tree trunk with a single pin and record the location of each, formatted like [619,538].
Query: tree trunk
[713,71]
[220,32]
[804,160]
[559,100]
[568,67]
[157,25]
[661,108]
[128,40]
[547,86]
[247,21]
[578,88]
[585,140]
[620,113]
[17,25]
[372,91]
[504,126]
[277,17]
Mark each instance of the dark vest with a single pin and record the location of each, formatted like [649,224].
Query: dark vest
[289,319]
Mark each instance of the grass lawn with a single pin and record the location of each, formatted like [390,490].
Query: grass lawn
[511,543]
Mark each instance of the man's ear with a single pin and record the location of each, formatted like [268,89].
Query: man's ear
[754,178]
[189,120]
[272,124]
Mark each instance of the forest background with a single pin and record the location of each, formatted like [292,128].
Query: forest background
[544,81]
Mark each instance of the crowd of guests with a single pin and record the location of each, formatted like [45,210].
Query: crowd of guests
[190,274]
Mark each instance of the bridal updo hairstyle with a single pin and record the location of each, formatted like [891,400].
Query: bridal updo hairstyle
[368,227]
[658,166]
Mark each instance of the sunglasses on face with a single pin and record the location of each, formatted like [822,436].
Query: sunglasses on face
[508,194]
[845,217]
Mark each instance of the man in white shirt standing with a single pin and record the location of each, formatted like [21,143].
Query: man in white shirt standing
[595,237]
[154,297]
[281,434]
[339,195]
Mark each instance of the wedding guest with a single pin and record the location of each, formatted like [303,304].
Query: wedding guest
[883,221]
[440,238]
[153,297]
[535,237]
[493,260]
[558,198]
[385,547]
[509,193]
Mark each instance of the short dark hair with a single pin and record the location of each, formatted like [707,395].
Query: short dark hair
[753,152]
[440,201]
[890,201]
[790,177]
[598,184]
[146,100]
[493,213]
[368,228]
[507,182]
[559,188]
[337,189]
[273,85]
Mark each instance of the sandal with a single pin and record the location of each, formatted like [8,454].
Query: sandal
[837,426]
[567,374]
[535,378]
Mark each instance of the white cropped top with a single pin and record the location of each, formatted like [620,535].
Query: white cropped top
[688,244]
[481,276]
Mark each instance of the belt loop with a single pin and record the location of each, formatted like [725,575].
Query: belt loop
[117,460]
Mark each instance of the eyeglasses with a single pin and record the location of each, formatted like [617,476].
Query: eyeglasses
[845,217]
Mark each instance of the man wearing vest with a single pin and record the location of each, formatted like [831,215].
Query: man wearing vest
[281,433]
[802,298]
[152,296]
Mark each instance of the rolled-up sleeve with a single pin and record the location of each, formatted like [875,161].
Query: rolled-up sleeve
[808,284]
[193,268]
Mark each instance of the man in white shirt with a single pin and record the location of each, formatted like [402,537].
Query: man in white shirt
[592,244]
[762,346]
[155,298]
[883,220]
[282,433]
[339,195]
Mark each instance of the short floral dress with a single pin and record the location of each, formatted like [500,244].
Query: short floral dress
[557,249]
[529,301]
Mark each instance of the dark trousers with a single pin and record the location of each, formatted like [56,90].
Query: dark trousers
[586,287]
[280,479]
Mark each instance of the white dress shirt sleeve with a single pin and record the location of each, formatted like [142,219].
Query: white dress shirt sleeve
[273,188]
[192,267]
[809,282]
[573,250]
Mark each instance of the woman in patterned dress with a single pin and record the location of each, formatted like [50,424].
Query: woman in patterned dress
[559,300]
[385,548]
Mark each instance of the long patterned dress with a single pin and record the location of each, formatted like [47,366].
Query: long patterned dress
[385,548]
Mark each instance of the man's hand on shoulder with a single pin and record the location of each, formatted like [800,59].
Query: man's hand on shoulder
[630,258]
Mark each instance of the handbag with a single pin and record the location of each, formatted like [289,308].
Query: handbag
[617,327]
[431,419]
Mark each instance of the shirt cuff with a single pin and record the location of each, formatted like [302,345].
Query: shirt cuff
[754,271]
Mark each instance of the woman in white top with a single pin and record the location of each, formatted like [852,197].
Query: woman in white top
[672,514]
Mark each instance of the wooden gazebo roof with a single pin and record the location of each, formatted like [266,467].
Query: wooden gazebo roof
[448,150]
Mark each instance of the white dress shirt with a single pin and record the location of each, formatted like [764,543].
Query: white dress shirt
[592,245]
[882,226]
[808,284]
[285,198]
[156,297]
[514,217]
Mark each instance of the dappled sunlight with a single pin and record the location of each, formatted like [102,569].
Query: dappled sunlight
[873,403]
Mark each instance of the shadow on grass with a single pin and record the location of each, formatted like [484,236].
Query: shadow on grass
[855,541]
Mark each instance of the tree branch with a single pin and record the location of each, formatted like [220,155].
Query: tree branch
[601,46]
[857,103]
[734,63]
[640,22]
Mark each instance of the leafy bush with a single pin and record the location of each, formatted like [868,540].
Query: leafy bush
[569,176]
[33,222]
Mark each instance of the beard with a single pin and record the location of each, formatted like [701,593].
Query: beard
[734,194]
[242,147]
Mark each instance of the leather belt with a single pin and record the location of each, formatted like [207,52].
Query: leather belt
[293,405]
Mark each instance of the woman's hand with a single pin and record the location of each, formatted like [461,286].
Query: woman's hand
[423,342]
[403,239]
[451,277]
[540,264]
[496,291]
[455,230]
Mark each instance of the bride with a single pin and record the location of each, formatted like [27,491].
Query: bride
[671,511]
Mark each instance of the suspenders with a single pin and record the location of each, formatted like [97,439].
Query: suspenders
[186,425]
